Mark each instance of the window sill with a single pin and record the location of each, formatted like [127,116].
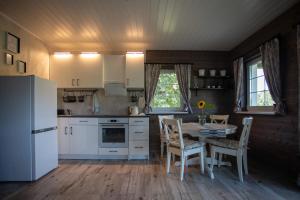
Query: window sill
[256,113]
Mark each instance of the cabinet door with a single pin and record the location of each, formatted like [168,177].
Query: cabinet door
[114,67]
[89,71]
[84,139]
[134,74]
[61,71]
[63,135]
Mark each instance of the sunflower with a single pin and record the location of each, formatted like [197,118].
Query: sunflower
[201,104]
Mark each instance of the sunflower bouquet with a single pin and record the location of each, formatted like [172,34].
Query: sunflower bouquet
[203,106]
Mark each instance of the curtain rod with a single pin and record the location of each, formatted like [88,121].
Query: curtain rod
[257,47]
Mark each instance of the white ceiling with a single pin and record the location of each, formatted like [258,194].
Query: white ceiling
[122,25]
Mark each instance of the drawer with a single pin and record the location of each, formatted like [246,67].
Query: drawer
[139,121]
[84,121]
[113,151]
[138,133]
[139,147]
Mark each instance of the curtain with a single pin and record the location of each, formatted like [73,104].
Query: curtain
[271,67]
[239,80]
[152,75]
[183,72]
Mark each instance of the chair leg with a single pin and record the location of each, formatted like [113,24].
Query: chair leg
[220,159]
[168,161]
[201,154]
[182,166]
[162,146]
[173,157]
[240,166]
[213,155]
[245,161]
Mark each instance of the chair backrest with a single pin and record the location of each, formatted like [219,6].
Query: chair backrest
[172,127]
[247,122]
[160,120]
[219,119]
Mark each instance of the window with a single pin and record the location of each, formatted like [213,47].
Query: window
[259,97]
[167,97]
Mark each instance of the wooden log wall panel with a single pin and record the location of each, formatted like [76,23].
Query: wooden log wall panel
[199,59]
[275,138]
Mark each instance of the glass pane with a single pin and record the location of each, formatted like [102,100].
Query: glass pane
[268,99]
[253,71]
[167,93]
[257,84]
[260,71]
[113,135]
[257,99]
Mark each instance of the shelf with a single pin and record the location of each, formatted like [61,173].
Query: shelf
[196,89]
[214,77]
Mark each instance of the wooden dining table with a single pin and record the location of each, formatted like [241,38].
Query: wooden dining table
[208,130]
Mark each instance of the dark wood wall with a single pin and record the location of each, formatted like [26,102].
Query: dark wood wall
[274,139]
[199,59]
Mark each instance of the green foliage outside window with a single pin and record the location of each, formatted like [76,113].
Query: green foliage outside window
[167,93]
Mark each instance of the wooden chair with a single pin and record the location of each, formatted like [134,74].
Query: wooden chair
[234,148]
[219,119]
[162,132]
[179,146]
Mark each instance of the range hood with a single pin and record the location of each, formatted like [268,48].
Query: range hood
[115,89]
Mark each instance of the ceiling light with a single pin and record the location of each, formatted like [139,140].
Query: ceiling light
[134,52]
[62,54]
[89,54]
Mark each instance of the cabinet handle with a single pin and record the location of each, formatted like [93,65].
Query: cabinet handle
[73,81]
[113,151]
[139,147]
[71,130]
[83,121]
[77,82]
[137,132]
[139,121]
[66,130]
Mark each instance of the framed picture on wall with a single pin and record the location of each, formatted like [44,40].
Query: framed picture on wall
[9,59]
[21,66]
[12,43]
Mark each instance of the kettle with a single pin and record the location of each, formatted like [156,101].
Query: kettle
[133,110]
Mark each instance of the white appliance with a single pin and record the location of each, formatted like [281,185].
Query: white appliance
[28,128]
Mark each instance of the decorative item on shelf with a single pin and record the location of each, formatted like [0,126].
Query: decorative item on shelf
[12,43]
[223,72]
[21,67]
[203,106]
[9,59]
[212,72]
[195,81]
[201,72]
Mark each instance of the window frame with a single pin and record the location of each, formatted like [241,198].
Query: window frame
[248,107]
[168,109]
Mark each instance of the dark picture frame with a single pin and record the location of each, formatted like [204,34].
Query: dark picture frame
[9,59]
[21,67]
[12,43]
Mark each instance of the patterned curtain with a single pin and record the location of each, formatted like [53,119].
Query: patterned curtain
[271,67]
[152,75]
[238,69]
[183,72]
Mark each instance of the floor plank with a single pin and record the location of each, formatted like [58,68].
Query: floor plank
[96,179]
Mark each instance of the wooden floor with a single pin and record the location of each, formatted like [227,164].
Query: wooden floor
[79,179]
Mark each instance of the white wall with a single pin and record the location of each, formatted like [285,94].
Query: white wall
[33,51]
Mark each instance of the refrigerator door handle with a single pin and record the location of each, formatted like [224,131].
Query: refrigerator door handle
[71,130]
[44,130]
[66,130]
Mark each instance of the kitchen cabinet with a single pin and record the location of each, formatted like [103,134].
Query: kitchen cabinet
[77,137]
[114,68]
[134,71]
[139,138]
[77,71]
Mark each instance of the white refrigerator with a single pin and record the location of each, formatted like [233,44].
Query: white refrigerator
[28,127]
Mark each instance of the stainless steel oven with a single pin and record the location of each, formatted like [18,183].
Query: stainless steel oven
[113,133]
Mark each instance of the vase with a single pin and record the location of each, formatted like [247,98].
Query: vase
[202,119]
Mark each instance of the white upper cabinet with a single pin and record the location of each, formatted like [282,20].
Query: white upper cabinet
[114,68]
[134,72]
[77,70]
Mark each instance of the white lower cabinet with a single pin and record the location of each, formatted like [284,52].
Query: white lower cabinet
[138,138]
[77,138]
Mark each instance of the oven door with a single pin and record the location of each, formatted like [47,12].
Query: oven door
[113,135]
